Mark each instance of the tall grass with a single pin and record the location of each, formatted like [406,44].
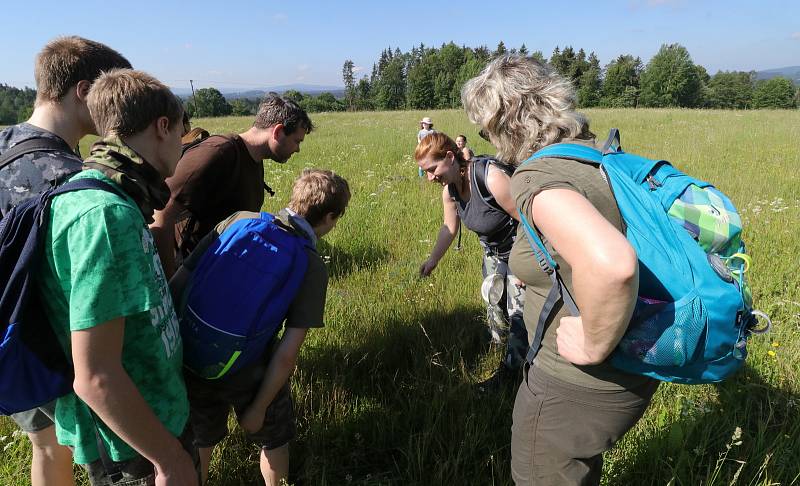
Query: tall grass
[385,392]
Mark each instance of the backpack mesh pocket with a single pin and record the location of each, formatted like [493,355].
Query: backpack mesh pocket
[666,333]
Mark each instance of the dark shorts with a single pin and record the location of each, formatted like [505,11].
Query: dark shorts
[137,471]
[210,402]
[36,419]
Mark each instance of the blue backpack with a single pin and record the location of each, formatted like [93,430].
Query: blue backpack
[694,313]
[33,367]
[239,295]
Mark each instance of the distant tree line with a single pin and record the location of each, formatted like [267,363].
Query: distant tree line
[16,105]
[431,78]
[210,102]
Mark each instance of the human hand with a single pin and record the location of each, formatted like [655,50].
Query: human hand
[571,342]
[177,471]
[426,268]
[252,420]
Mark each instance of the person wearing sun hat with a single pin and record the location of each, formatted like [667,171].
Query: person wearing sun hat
[426,128]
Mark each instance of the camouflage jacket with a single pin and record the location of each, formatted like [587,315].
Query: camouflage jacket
[31,174]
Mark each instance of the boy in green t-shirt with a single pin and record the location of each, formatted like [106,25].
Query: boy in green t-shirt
[106,296]
[259,393]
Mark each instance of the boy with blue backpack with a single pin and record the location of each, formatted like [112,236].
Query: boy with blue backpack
[253,274]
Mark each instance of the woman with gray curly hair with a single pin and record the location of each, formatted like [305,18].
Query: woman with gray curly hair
[572,405]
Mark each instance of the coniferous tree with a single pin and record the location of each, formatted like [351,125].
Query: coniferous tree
[390,90]
[482,53]
[449,60]
[501,49]
[364,95]
[562,61]
[471,68]
[589,84]
[523,50]
[420,84]
[349,84]
[621,82]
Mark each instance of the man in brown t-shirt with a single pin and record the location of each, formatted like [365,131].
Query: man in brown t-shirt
[225,174]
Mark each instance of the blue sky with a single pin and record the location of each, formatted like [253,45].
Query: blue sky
[250,44]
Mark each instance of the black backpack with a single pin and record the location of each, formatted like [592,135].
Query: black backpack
[482,175]
[33,367]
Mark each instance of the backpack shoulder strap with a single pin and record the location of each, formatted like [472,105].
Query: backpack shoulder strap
[480,172]
[572,151]
[37,144]
[558,291]
[87,183]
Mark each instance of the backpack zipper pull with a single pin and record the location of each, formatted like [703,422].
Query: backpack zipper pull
[652,182]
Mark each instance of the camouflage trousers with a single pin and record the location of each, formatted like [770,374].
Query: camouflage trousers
[504,298]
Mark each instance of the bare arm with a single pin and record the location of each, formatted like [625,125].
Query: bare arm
[499,184]
[604,273]
[278,371]
[104,385]
[163,229]
[447,233]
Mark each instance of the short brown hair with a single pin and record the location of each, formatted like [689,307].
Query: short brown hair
[274,109]
[318,192]
[437,145]
[65,61]
[123,102]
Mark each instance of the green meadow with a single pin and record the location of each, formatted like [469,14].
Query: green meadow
[385,393]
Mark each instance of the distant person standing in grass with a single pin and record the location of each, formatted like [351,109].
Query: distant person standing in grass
[573,405]
[461,143]
[65,70]
[425,129]
[225,174]
[477,193]
[259,392]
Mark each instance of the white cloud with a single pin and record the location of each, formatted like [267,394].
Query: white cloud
[357,69]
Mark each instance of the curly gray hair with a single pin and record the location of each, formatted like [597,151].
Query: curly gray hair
[522,105]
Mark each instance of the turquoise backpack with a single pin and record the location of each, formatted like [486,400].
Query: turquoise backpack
[694,312]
